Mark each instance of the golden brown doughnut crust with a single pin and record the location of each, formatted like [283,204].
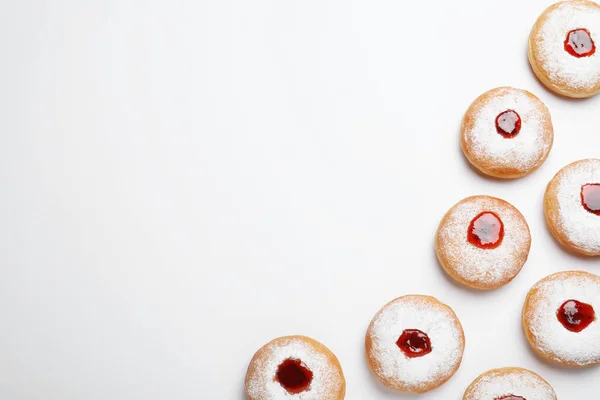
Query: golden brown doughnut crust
[552,211]
[557,85]
[449,264]
[265,352]
[395,384]
[487,165]
[527,315]
[469,395]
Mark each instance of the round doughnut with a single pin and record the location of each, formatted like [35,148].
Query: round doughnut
[563,49]
[507,133]
[414,344]
[510,383]
[572,206]
[295,367]
[560,320]
[483,242]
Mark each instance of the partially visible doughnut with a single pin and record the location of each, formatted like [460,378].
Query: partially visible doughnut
[295,367]
[560,318]
[572,206]
[510,383]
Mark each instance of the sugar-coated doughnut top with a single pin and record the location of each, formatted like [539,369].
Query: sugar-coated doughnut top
[510,384]
[554,339]
[565,44]
[428,316]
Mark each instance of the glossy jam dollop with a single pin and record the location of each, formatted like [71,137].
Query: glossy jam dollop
[510,397]
[575,316]
[590,197]
[294,376]
[579,43]
[486,230]
[508,124]
[414,343]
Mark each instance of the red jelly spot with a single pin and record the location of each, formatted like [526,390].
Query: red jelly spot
[414,343]
[294,376]
[508,124]
[510,397]
[575,315]
[486,231]
[590,197]
[579,43]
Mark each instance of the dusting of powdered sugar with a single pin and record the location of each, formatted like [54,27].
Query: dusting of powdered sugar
[434,319]
[581,227]
[525,150]
[495,384]
[326,383]
[472,264]
[552,338]
[581,72]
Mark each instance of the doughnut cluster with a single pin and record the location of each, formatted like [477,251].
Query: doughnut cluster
[415,343]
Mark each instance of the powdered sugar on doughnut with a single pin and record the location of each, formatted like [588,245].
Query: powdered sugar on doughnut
[434,319]
[526,150]
[483,267]
[495,384]
[326,382]
[581,227]
[558,64]
[556,342]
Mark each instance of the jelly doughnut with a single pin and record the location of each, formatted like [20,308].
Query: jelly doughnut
[560,318]
[507,133]
[414,343]
[483,242]
[572,206]
[563,48]
[295,367]
[509,384]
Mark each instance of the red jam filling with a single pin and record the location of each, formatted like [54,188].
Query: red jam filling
[414,343]
[590,197]
[579,43]
[508,124]
[575,315]
[510,397]
[486,231]
[294,376]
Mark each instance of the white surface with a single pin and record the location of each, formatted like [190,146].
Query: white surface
[183,181]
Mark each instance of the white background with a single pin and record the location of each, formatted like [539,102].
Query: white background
[183,181]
